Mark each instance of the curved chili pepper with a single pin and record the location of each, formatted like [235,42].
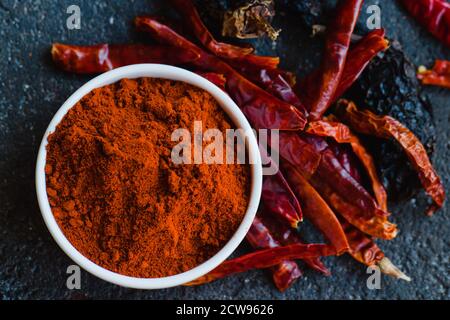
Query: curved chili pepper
[359,56]
[335,176]
[433,15]
[216,78]
[285,273]
[321,92]
[438,76]
[280,200]
[262,109]
[266,258]
[316,209]
[375,226]
[388,128]
[286,236]
[220,49]
[342,134]
[347,159]
[103,57]
[364,250]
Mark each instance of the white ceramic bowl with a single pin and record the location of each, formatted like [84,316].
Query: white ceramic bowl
[233,111]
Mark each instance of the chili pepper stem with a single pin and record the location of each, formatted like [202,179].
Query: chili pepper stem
[387,267]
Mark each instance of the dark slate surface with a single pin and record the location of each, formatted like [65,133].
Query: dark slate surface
[31,90]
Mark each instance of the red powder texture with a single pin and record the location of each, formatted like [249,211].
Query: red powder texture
[119,198]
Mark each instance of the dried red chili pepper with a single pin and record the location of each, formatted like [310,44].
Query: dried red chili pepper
[347,159]
[262,109]
[223,50]
[278,82]
[104,57]
[316,209]
[336,177]
[438,76]
[388,128]
[342,134]
[320,93]
[266,258]
[374,226]
[283,274]
[433,15]
[216,78]
[280,200]
[364,250]
[359,56]
[287,236]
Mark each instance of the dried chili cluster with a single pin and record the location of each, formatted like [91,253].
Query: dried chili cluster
[323,161]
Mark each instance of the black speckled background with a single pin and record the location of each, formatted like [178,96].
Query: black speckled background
[31,91]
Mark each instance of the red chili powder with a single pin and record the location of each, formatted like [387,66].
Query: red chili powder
[118,197]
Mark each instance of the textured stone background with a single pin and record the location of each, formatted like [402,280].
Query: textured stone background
[31,90]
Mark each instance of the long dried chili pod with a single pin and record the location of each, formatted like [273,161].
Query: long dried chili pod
[216,78]
[321,91]
[266,258]
[316,209]
[337,178]
[374,226]
[103,57]
[347,158]
[433,15]
[359,56]
[279,199]
[438,76]
[286,236]
[283,274]
[388,128]
[342,134]
[261,108]
[241,54]
[364,250]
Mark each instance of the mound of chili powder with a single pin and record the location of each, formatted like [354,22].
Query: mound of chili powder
[119,198]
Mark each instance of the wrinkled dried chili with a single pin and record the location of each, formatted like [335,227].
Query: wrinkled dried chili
[283,274]
[364,250]
[266,258]
[438,76]
[262,109]
[342,134]
[104,57]
[433,15]
[359,56]
[316,210]
[320,92]
[223,50]
[287,236]
[388,128]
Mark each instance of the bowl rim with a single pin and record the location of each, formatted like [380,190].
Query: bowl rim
[232,110]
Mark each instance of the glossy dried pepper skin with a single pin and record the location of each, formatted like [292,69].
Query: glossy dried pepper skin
[362,247]
[375,226]
[280,200]
[433,15]
[321,93]
[263,110]
[316,209]
[388,128]
[266,258]
[286,236]
[104,57]
[338,179]
[342,134]
[216,78]
[438,76]
[220,49]
[359,56]
[285,273]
